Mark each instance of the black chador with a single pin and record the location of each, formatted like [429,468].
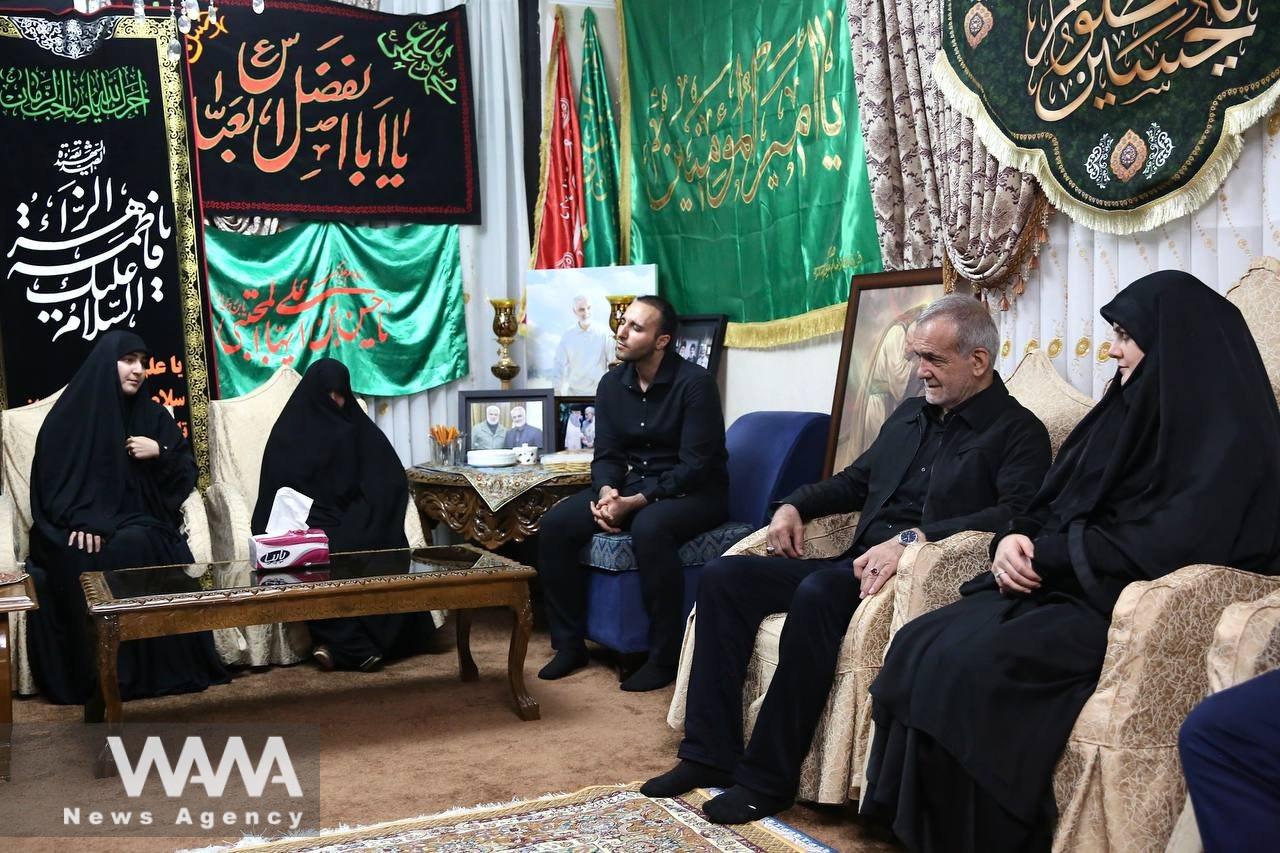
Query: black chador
[326,447]
[83,480]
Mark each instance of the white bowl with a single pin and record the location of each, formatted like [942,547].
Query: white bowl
[492,458]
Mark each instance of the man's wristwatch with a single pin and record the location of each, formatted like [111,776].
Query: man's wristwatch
[907,537]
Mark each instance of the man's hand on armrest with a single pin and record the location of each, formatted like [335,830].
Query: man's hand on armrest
[880,562]
[786,534]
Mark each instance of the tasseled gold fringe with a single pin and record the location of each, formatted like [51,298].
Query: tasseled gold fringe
[788,330]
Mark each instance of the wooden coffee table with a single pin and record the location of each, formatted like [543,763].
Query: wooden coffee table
[134,604]
[14,598]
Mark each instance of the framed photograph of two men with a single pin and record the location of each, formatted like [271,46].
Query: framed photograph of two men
[877,366]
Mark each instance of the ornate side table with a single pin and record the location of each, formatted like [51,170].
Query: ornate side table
[491,506]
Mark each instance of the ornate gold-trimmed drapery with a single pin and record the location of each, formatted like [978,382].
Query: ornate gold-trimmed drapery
[940,199]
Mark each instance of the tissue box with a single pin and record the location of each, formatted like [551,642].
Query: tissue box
[286,550]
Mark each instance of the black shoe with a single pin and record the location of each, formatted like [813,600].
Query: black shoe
[565,662]
[651,676]
[742,805]
[372,663]
[684,777]
[323,658]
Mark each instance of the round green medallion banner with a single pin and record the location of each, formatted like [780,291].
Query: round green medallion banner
[1128,112]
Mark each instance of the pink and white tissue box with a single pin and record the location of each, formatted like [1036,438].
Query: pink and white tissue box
[287,550]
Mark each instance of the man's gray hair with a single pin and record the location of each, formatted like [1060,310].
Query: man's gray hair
[974,327]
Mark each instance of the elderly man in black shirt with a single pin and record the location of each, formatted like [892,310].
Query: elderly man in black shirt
[659,470]
[966,456]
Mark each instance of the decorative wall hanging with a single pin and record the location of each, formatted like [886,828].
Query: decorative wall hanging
[99,228]
[1129,114]
[386,302]
[325,111]
[559,218]
[743,172]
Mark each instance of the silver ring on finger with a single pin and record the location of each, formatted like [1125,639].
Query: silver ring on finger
[875,572]
[769,549]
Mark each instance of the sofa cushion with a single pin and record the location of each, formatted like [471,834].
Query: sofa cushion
[1059,406]
[613,552]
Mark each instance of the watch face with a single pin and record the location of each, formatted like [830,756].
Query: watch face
[906,537]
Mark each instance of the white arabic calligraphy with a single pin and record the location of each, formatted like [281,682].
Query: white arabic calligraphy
[85,274]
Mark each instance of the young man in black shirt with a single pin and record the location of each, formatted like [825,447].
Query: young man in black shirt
[660,471]
[966,456]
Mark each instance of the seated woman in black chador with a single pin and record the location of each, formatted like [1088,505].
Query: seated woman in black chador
[110,474]
[326,447]
[1178,464]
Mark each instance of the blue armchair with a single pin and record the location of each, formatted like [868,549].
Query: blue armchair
[770,454]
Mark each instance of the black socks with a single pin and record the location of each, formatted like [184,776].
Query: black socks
[565,662]
[742,805]
[684,777]
[651,676]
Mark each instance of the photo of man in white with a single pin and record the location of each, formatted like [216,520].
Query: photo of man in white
[583,354]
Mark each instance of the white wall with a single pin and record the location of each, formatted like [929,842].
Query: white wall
[795,378]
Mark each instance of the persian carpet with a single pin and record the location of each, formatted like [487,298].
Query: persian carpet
[601,818]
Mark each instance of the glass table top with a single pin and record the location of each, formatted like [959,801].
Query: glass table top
[240,574]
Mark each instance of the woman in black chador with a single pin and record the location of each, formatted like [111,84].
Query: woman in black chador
[326,447]
[1178,464]
[110,474]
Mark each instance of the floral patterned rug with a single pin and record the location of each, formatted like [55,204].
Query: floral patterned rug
[605,818]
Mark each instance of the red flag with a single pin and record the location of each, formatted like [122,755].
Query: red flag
[558,244]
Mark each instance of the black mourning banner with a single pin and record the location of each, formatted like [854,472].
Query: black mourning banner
[98,225]
[325,111]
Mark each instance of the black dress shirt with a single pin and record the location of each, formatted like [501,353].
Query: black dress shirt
[664,441]
[990,459]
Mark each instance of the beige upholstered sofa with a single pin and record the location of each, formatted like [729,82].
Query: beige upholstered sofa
[1119,785]
[1246,644]
[18,430]
[832,771]
[238,431]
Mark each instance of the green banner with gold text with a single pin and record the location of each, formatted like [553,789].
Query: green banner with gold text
[743,162]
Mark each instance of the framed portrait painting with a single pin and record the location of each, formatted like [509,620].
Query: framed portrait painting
[494,420]
[700,339]
[569,343]
[877,368]
[575,423]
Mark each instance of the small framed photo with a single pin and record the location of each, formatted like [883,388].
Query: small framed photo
[494,420]
[877,367]
[700,339]
[575,423]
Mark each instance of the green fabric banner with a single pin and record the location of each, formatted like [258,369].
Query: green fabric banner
[599,153]
[386,302]
[1129,114]
[743,160]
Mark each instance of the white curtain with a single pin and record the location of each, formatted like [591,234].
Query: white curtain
[1081,270]
[495,253]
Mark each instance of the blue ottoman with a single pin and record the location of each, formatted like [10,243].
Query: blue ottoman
[615,608]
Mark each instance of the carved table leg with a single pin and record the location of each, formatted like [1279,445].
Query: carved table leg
[105,705]
[521,628]
[6,702]
[467,668]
